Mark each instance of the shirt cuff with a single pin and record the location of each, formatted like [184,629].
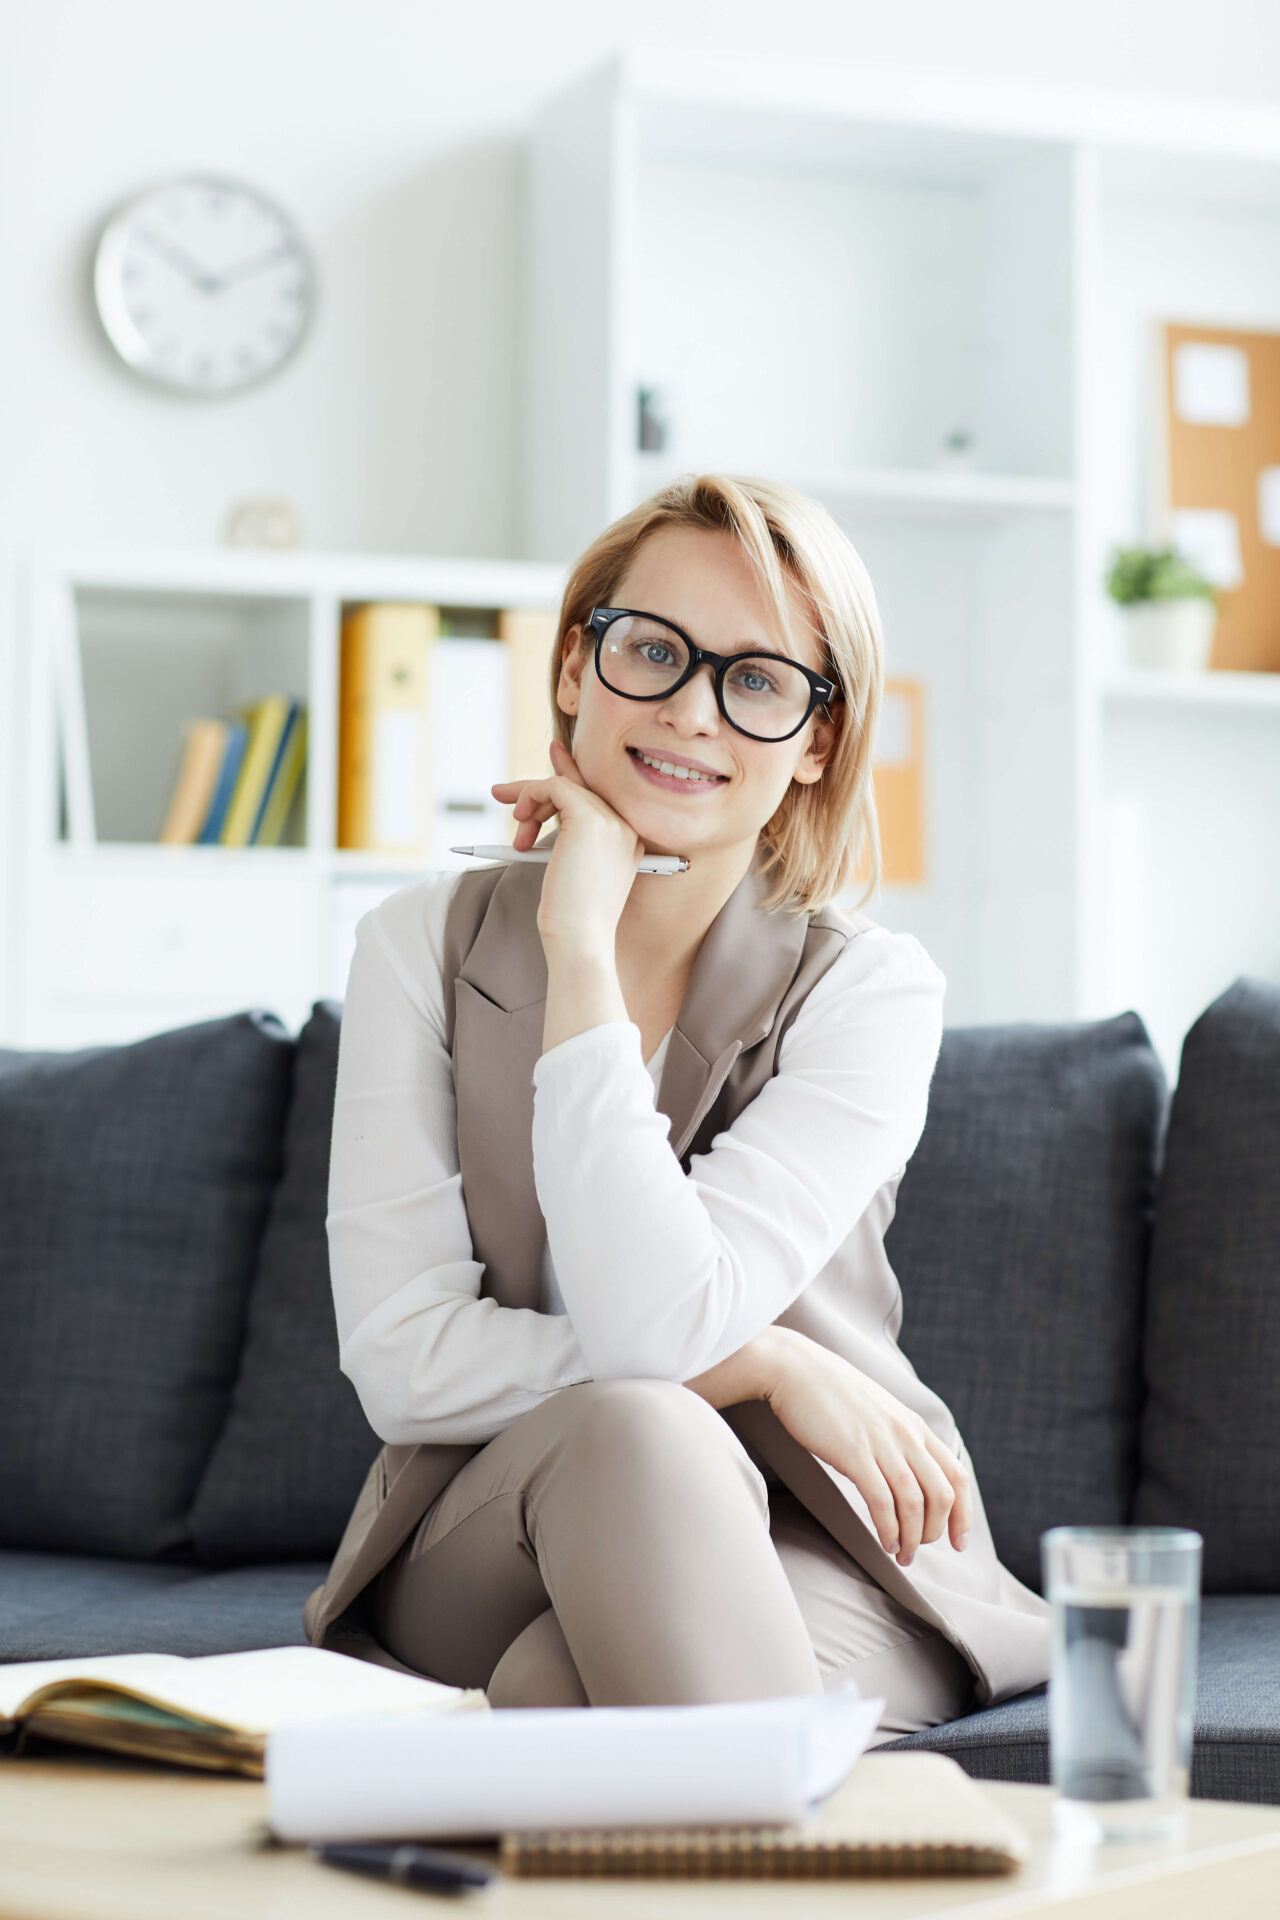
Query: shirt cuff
[616,1040]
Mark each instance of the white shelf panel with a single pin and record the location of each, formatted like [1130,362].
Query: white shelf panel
[443,581]
[958,493]
[869,95]
[1151,688]
[230,863]
[347,862]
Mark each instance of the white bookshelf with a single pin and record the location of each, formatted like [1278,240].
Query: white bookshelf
[826,271]
[1245,692]
[119,936]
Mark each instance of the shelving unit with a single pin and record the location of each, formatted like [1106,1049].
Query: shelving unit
[1245,691]
[958,493]
[121,936]
[827,272]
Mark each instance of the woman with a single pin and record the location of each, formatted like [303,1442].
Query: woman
[613,1159]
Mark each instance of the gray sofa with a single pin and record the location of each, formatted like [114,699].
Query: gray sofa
[1095,1293]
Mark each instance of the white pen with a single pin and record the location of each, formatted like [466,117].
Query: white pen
[649,862]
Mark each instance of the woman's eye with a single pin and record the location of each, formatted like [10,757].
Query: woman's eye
[656,652]
[751,680]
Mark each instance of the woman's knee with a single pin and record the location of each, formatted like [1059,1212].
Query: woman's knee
[656,1427]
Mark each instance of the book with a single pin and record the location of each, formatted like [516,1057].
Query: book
[285,777]
[214,1712]
[204,745]
[896,1814]
[384,728]
[760,1761]
[266,721]
[233,754]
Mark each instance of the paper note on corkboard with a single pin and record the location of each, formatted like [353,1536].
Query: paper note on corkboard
[898,775]
[1222,479]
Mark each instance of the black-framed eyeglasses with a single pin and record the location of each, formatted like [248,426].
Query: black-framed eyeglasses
[767,696]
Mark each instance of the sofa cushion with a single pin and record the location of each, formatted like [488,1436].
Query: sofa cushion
[1020,1242]
[1213,1316]
[296,1445]
[1236,1753]
[134,1184]
[49,1601]
[58,1606]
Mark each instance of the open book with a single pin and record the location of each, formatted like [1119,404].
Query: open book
[213,1712]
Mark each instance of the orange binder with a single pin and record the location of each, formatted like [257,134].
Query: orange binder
[529,634]
[384,730]
[898,777]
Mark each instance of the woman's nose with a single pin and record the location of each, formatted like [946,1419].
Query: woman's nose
[695,702]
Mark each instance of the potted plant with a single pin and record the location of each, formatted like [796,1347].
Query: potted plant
[1171,607]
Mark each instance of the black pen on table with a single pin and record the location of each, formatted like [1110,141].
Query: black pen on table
[408,1865]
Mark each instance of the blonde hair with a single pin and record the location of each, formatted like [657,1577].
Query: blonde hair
[825,835]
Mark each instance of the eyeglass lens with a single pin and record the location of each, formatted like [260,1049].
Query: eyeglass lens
[643,657]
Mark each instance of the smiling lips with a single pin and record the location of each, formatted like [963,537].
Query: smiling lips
[675,775]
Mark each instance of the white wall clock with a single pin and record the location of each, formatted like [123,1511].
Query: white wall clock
[203,285]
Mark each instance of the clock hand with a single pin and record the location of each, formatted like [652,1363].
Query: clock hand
[259,264]
[192,269]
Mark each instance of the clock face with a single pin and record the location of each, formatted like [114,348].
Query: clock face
[203,285]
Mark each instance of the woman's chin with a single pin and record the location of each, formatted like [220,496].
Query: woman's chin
[664,825]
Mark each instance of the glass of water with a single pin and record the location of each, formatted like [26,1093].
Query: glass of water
[1126,1618]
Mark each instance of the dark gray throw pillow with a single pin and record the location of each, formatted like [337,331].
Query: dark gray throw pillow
[1020,1243]
[134,1184]
[1213,1319]
[296,1445]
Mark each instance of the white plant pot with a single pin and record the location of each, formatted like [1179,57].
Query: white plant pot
[1174,635]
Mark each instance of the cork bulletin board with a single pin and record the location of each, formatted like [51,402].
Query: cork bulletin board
[1222,480]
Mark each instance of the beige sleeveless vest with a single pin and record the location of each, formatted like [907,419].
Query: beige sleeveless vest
[749,980]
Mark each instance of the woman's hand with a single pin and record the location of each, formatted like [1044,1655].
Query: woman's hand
[592,865]
[913,1485]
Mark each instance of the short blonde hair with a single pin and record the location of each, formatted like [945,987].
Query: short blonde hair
[823,836]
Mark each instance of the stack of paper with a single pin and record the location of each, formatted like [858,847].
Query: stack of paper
[487,1774]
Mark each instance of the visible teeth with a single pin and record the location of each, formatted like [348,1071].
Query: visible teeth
[668,766]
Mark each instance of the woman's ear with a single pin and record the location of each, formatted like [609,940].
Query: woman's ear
[822,744]
[573,658]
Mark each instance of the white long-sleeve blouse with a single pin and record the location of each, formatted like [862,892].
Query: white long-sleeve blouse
[647,1271]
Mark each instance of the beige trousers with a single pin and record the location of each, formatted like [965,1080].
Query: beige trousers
[618,1546]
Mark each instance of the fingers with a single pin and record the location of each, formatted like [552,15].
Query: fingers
[925,1497]
[881,1505]
[961,1517]
[533,803]
[517,789]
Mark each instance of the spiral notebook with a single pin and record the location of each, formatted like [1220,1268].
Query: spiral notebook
[897,1814]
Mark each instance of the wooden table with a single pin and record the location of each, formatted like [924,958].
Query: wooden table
[89,1839]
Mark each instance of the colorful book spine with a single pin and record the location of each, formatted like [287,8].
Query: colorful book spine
[285,778]
[266,721]
[384,732]
[202,757]
[237,740]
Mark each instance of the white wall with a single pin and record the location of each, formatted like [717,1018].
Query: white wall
[391,129]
